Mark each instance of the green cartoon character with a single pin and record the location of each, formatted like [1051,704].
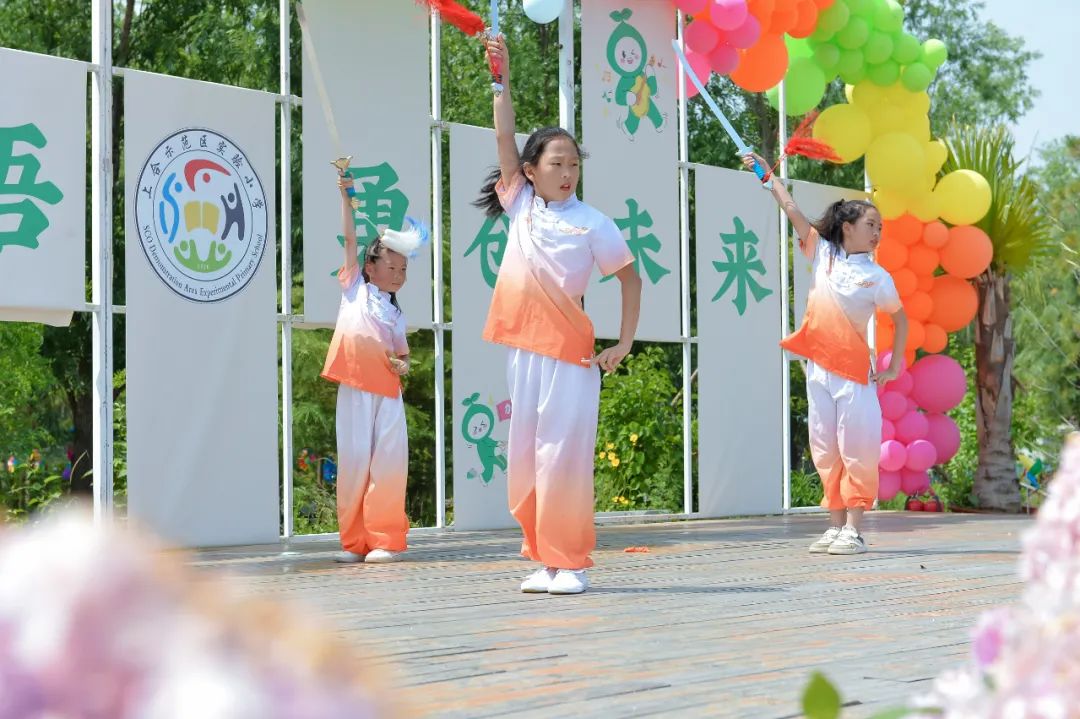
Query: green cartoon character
[629,58]
[476,427]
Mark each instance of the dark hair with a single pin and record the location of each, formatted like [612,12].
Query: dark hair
[831,224]
[373,252]
[534,148]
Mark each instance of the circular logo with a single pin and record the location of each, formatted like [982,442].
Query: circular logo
[201,215]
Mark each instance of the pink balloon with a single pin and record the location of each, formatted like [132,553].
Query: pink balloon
[943,433]
[921,456]
[885,362]
[746,34]
[692,7]
[700,64]
[893,455]
[893,405]
[912,482]
[724,59]
[911,426]
[888,430]
[888,485]
[912,405]
[728,14]
[701,36]
[940,383]
[901,384]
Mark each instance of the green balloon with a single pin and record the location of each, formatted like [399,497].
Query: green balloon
[878,47]
[821,34]
[863,8]
[804,86]
[934,53]
[827,56]
[855,34]
[916,77]
[889,17]
[849,63]
[834,18]
[854,77]
[797,47]
[884,73]
[906,49]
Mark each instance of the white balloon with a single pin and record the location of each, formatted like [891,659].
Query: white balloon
[542,11]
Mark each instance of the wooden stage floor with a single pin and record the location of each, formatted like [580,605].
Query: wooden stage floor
[720,618]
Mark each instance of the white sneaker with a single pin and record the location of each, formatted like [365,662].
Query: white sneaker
[539,581]
[382,556]
[821,546]
[569,581]
[849,541]
[348,557]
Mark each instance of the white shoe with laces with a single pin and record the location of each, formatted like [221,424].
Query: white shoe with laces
[849,541]
[569,581]
[539,581]
[346,557]
[821,546]
[382,556]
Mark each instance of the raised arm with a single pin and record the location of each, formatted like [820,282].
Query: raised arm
[780,194]
[505,123]
[348,223]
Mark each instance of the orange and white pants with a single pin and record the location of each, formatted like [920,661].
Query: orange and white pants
[373,464]
[550,456]
[845,438]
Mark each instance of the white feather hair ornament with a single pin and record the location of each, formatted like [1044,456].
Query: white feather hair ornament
[409,239]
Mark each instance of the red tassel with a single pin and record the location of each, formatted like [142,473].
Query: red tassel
[801,143]
[457,15]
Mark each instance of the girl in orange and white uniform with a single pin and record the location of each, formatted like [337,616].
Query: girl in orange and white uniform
[553,243]
[844,414]
[367,356]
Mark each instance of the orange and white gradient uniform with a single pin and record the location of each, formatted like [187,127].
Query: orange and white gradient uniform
[537,312]
[844,416]
[373,449]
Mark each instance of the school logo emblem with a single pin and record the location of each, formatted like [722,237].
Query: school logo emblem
[201,214]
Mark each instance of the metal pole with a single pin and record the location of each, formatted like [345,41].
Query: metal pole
[567,106]
[285,241]
[684,268]
[101,257]
[437,268]
[784,326]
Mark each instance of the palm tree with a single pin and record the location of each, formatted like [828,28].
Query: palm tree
[1020,230]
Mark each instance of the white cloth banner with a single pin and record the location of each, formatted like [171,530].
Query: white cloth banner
[630,133]
[377,79]
[813,200]
[481,418]
[740,395]
[202,351]
[42,188]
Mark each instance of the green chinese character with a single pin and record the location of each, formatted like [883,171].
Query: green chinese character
[491,241]
[379,205]
[641,245]
[740,265]
[32,221]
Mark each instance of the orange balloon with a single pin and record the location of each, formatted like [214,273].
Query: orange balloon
[905,228]
[918,305]
[926,283]
[762,10]
[922,260]
[891,254]
[763,65]
[807,21]
[967,253]
[935,234]
[883,336]
[784,16]
[909,356]
[955,303]
[905,281]
[936,339]
[916,334]
[824,4]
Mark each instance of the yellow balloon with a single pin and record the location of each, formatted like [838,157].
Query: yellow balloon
[849,93]
[963,197]
[846,129]
[867,95]
[890,203]
[925,207]
[936,154]
[895,161]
